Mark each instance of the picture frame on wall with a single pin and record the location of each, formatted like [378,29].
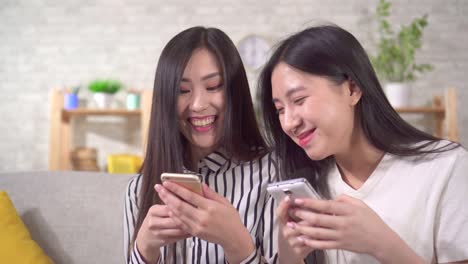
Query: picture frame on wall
[254,50]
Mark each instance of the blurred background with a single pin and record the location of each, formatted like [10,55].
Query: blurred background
[52,45]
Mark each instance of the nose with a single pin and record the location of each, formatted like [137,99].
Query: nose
[291,121]
[199,101]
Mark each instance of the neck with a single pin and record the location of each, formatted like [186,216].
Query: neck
[197,154]
[357,162]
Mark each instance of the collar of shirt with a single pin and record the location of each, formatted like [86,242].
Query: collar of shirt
[214,161]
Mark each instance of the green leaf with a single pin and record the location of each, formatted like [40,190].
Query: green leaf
[396,51]
[105,86]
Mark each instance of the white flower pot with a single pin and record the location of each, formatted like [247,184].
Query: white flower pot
[398,94]
[103,100]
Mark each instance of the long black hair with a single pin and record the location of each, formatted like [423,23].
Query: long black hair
[332,52]
[166,144]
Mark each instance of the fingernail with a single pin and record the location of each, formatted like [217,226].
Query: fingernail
[157,187]
[291,225]
[287,198]
[300,239]
[298,201]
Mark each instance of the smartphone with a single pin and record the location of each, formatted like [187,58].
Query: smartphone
[192,182]
[295,188]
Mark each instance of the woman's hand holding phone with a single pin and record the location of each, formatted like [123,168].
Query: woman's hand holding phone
[345,223]
[210,217]
[157,230]
[290,248]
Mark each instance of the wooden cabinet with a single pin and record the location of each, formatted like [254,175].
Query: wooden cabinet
[61,132]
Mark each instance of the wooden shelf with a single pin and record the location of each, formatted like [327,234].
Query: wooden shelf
[61,130]
[421,110]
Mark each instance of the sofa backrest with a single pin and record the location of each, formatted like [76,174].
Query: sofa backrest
[76,217]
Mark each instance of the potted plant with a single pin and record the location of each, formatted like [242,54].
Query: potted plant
[395,59]
[103,91]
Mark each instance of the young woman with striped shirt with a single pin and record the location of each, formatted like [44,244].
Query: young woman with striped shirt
[202,121]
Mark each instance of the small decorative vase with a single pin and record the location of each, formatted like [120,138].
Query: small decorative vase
[133,101]
[70,101]
[103,100]
[398,94]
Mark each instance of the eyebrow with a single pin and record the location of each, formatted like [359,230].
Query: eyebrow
[204,78]
[290,92]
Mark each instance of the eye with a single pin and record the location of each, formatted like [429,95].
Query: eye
[184,90]
[214,88]
[299,100]
[279,111]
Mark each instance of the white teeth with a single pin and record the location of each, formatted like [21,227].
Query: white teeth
[203,122]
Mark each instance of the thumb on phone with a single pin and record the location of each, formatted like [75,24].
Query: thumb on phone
[282,211]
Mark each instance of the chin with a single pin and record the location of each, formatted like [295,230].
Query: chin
[205,142]
[316,155]
[205,145]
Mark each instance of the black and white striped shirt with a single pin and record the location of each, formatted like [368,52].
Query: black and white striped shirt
[244,185]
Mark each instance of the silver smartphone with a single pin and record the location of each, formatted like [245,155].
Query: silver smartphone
[295,188]
[192,182]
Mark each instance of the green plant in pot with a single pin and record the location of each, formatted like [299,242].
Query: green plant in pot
[103,91]
[394,61]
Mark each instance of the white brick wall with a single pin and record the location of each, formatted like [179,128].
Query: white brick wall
[51,43]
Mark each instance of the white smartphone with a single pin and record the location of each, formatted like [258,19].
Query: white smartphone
[192,182]
[295,188]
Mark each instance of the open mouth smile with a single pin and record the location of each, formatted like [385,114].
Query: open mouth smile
[202,124]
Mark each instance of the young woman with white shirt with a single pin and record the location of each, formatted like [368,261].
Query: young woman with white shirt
[202,121]
[391,193]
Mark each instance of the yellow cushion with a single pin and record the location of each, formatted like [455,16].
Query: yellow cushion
[16,245]
[123,163]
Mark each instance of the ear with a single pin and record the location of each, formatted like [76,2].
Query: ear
[355,93]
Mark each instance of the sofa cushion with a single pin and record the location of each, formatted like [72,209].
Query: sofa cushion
[16,245]
[75,217]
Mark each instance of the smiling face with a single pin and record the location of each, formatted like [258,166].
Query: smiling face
[316,113]
[201,103]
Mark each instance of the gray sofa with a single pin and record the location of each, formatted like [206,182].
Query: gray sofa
[76,217]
